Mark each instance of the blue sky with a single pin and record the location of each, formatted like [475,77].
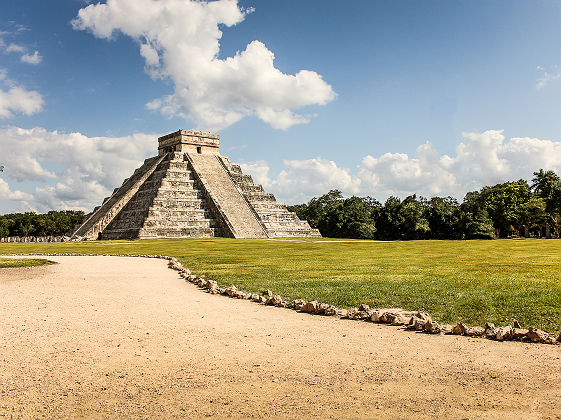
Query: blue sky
[433,97]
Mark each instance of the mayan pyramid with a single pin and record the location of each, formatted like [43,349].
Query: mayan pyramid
[190,190]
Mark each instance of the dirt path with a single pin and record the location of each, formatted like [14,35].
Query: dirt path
[126,337]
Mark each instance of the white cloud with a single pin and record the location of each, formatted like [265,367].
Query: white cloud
[7,194]
[303,179]
[18,100]
[34,58]
[70,170]
[179,40]
[481,159]
[73,171]
[547,77]
[15,48]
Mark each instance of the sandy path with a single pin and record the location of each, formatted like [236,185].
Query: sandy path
[126,337]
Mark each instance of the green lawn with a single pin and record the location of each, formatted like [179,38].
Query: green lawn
[469,281]
[23,262]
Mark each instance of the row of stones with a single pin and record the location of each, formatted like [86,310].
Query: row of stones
[412,320]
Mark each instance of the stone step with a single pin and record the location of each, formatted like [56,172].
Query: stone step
[168,194]
[170,183]
[178,233]
[235,169]
[121,234]
[278,217]
[240,178]
[179,165]
[306,233]
[293,224]
[178,174]
[266,206]
[256,197]
[150,223]
[179,203]
[179,214]
[251,188]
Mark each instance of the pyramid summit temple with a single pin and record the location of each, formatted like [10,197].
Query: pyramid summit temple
[190,190]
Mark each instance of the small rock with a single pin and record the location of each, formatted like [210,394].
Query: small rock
[276,300]
[515,323]
[268,293]
[364,307]
[490,330]
[231,291]
[446,328]
[342,312]
[475,331]
[422,315]
[331,311]
[520,333]
[401,319]
[504,333]
[375,317]
[359,315]
[298,304]
[310,307]
[322,307]
[537,336]
[432,327]
[459,329]
[351,312]
[388,317]
[254,297]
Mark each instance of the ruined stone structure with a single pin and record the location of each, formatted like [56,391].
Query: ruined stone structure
[190,190]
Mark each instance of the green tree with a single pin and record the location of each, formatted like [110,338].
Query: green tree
[443,215]
[534,215]
[503,203]
[349,218]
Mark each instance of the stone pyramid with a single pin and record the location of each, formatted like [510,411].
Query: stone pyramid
[190,190]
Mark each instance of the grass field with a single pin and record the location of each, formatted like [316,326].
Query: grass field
[23,262]
[469,281]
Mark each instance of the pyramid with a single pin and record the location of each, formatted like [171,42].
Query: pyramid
[190,190]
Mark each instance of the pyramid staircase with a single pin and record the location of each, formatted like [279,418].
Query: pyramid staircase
[169,204]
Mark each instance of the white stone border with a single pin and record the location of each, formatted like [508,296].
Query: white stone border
[412,320]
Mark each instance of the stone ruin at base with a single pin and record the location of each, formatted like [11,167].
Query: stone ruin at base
[190,190]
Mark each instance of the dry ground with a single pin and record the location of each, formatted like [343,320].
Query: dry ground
[105,337]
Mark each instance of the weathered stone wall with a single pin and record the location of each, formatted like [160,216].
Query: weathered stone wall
[29,239]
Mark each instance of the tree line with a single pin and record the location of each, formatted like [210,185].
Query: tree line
[503,210]
[53,223]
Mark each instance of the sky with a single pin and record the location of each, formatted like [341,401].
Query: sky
[374,98]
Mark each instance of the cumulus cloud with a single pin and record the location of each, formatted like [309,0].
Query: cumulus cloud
[15,48]
[7,194]
[73,171]
[69,170]
[34,58]
[15,99]
[303,179]
[481,159]
[179,40]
